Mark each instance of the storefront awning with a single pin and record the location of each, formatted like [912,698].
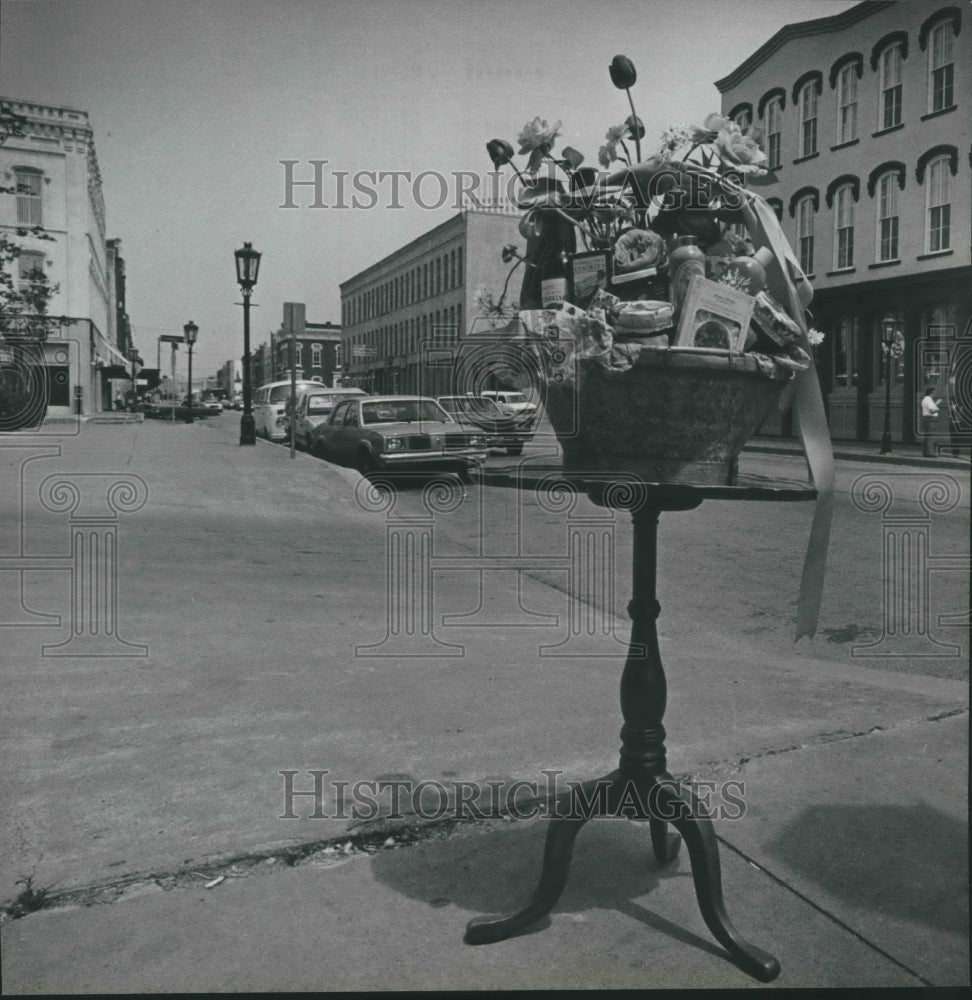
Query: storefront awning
[112,359]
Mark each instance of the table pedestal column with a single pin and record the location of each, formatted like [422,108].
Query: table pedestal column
[641,787]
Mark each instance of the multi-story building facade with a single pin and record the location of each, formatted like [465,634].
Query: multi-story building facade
[404,317]
[316,347]
[229,380]
[866,117]
[57,218]
[118,380]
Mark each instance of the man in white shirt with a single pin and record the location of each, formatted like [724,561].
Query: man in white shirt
[929,411]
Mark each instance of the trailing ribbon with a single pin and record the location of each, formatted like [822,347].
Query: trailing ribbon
[787,283]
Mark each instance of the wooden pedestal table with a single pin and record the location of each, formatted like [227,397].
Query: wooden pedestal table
[642,776]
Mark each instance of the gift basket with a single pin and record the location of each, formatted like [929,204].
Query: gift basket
[663,303]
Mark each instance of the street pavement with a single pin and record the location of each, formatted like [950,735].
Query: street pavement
[256,635]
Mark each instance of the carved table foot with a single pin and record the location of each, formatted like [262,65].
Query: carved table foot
[662,801]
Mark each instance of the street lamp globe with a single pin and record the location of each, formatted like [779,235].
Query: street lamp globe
[247,266]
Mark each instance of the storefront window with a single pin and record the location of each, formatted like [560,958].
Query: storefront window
[846,352]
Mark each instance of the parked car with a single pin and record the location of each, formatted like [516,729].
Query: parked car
[381,433]
[479,413]
[513,404]
[314,407]
[213,404]
[269,404]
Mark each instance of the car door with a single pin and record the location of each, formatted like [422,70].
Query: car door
[335,436]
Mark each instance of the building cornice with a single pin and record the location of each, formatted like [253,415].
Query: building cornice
[801,29]
[398,257]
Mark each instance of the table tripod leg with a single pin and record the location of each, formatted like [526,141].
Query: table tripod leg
[559,847]
[689,818]
[663,843]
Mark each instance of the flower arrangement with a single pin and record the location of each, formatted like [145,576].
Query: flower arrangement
[620,231]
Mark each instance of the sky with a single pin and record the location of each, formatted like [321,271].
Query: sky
[195,103]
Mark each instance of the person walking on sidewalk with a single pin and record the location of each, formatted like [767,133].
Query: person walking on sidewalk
[929,412]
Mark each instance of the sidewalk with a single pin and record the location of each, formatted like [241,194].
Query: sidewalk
[867,451]
[142,781]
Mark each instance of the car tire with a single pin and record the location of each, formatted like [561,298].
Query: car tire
[366,463]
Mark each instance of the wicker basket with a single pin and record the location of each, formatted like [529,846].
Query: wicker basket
[678,415]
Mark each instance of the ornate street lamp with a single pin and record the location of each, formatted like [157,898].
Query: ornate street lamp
[889,329]
[247,269]
[191,331]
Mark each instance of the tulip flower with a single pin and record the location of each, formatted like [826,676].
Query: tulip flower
[500,152]
[572,158]
[623,73]
[636,127]
[623,76]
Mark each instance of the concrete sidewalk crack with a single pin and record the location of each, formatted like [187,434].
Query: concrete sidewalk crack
[823,911]
[734,764]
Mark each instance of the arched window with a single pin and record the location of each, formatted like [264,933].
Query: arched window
[847,77]
[938,208]
[774,131]
[807,105]
[889,86]
[742,115]
[806,210]
[844,227]
[886,203]
[941,67]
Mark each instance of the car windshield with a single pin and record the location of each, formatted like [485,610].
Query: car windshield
[395,411]
[472,406]
[320,404]
[514,397]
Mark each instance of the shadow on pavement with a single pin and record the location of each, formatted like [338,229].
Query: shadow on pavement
[891,859]
[613,867]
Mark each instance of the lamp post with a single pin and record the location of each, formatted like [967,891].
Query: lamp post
[889,327]
[191,331]
[247,269]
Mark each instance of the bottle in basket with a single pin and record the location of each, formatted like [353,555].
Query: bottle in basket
[553,281]
[684,262]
